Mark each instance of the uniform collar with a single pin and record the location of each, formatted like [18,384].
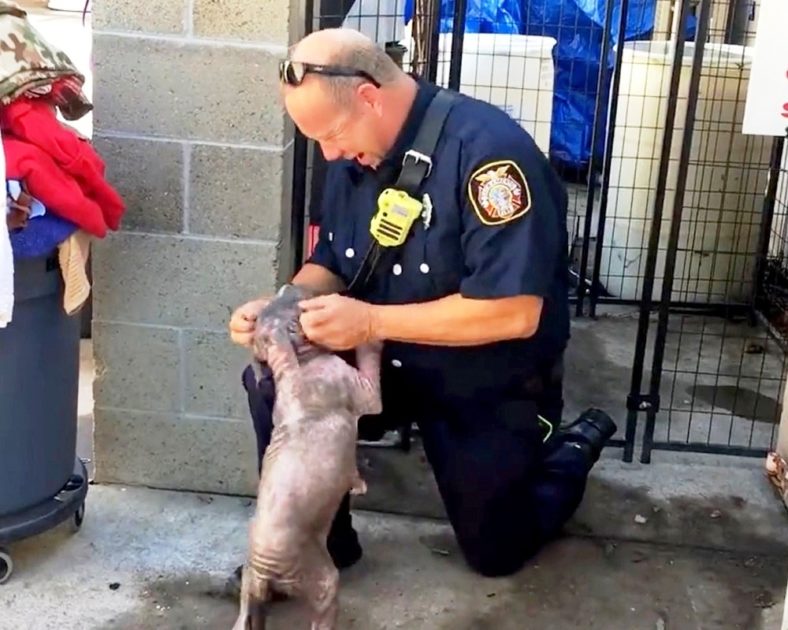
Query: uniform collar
[393,160]
[425,92]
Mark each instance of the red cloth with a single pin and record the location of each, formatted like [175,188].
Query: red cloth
[62,170]
[50,184]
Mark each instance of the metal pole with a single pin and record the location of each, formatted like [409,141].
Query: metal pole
[600,98]
[608,157]
[675,227]
[458,36]
[298,194]
[767,217]
[635,402]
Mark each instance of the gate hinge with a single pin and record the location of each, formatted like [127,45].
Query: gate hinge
[643,402]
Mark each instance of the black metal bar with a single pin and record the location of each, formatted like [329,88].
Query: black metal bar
[767,217]
[656,227]
[457,39]
[298,200]
[608,157]
[431,71]
[701,447]
[300,183]
[708,307]
[729,21]
[675,226]
[601,96]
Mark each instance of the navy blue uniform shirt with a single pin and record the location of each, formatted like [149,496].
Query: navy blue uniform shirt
[497,229]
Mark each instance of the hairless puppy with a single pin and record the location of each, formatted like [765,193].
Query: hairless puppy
[309,465]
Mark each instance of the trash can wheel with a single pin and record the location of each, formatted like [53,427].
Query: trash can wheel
[79,516]
[6,566]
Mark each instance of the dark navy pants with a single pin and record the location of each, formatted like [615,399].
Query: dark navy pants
[505,491]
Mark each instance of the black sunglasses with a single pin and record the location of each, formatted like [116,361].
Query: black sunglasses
[293,72]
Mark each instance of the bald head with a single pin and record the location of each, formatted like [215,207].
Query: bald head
[349,116]
[350,48]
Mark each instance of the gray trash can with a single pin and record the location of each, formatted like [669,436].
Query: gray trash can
[42,481]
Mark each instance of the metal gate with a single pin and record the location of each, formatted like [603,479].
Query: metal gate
[714,261]
[675,216]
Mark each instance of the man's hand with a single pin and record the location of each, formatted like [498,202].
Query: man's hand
[337,322]
[243,320]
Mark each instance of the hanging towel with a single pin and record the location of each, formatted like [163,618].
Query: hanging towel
[6,259]
[73,257]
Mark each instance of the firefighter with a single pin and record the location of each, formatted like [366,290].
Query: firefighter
[471,305]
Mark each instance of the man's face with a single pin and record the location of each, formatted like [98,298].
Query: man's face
[351,133]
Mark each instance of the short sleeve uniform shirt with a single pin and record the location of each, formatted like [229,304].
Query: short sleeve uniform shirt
[494,226]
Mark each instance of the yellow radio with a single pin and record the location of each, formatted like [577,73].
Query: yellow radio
[395,216]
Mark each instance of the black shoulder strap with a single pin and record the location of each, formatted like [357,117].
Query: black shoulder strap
[417,163]
[416,167]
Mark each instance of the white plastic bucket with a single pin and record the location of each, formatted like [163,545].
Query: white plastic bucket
[513,72]
[726,176]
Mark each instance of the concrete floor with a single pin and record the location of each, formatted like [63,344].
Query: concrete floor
[721,381]
[147,559]
[660,546]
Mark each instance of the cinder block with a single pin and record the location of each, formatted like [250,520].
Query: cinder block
[187,91]
[175,452]
[265,20]
[213,367]
[137,367]
[178,280]
[236,192]
[149,177]
[162,16]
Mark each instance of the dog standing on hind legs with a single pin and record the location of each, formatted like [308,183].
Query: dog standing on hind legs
[309,465]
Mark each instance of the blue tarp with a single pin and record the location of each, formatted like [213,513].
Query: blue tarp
[578,27]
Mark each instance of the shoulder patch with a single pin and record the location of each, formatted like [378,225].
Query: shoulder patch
[499,192]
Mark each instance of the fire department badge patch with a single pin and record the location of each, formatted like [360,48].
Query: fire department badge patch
[499,192]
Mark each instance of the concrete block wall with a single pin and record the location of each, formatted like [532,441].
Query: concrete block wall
[189,121]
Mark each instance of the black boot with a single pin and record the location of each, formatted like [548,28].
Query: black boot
[590,432]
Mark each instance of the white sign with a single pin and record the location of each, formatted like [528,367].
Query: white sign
[766,110]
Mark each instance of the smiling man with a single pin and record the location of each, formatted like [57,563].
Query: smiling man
[444,236]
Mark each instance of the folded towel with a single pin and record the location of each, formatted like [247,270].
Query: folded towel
[41,236]
[73,256]
[21,206]
[18,191]
[6,260]
[6,277]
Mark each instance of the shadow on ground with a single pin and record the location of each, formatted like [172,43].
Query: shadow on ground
[574,584]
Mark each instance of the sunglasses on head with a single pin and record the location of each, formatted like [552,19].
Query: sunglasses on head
[293,72]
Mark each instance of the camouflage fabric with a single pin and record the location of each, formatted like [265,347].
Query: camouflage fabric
[29,66]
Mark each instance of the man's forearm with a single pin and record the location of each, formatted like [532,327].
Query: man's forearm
[458,321]
[318,279]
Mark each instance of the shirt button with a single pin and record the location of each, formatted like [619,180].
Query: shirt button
[330,236]
[424,268]
[396,363]
[397,269]
[349,252]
